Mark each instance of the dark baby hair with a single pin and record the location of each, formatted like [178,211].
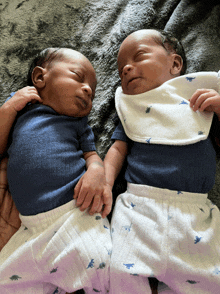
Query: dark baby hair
[170,43]
[44,57]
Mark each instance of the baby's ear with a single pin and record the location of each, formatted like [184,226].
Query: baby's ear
[177,65]
[38,77]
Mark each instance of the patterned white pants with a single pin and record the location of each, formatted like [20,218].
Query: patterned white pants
[171,235]
[59,251]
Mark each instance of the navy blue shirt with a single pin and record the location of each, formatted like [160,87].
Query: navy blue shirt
[189,168]
[46,158]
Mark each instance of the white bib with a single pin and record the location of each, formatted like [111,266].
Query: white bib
[163,115]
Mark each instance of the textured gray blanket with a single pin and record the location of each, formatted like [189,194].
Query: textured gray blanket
[96,28]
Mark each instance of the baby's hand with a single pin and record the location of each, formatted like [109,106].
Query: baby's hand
[105,204]
[90,189]
[206,100]
[22,97]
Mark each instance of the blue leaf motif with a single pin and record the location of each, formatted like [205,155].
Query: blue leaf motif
[183,102]
[191,282]
[148,109]
[197,239]
[15,278]
[127,228]
[91,264]
[190,79]
[54,270]
[128,265]
[56,291]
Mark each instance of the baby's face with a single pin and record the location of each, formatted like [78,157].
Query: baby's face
[70,84]
[143,63]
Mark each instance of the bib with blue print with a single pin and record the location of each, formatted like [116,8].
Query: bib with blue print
[163,115]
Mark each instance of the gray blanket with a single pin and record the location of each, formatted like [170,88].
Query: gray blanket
[96,28]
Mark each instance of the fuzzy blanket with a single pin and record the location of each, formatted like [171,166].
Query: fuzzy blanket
[96,28]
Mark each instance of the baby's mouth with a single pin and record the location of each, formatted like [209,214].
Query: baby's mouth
[132,79]
[84,102]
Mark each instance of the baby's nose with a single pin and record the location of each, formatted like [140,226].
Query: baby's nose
[87,89]
[127,68]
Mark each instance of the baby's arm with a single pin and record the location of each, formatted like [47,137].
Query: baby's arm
[114,161]
[9,110]
[206,100]
[91,190]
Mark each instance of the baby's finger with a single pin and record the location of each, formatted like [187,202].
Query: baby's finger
[206,104]
[86,202]
[100,206]
[205,100]
[95,205]
[77,189]
[31,89]
[195,97]
[81,198]
[201,99]
[35,100]
[107,199]
[34,96]
[106,210]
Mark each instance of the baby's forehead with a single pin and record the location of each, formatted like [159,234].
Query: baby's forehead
[76,58]
[137,39]
[141,37]
[72,56]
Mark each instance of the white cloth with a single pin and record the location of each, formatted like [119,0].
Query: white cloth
[173,236]
[60,249]
[163,115]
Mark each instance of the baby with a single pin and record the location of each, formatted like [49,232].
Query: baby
[167,227]
[52,156]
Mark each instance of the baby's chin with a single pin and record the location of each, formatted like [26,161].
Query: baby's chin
[135,91]
[137,87]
